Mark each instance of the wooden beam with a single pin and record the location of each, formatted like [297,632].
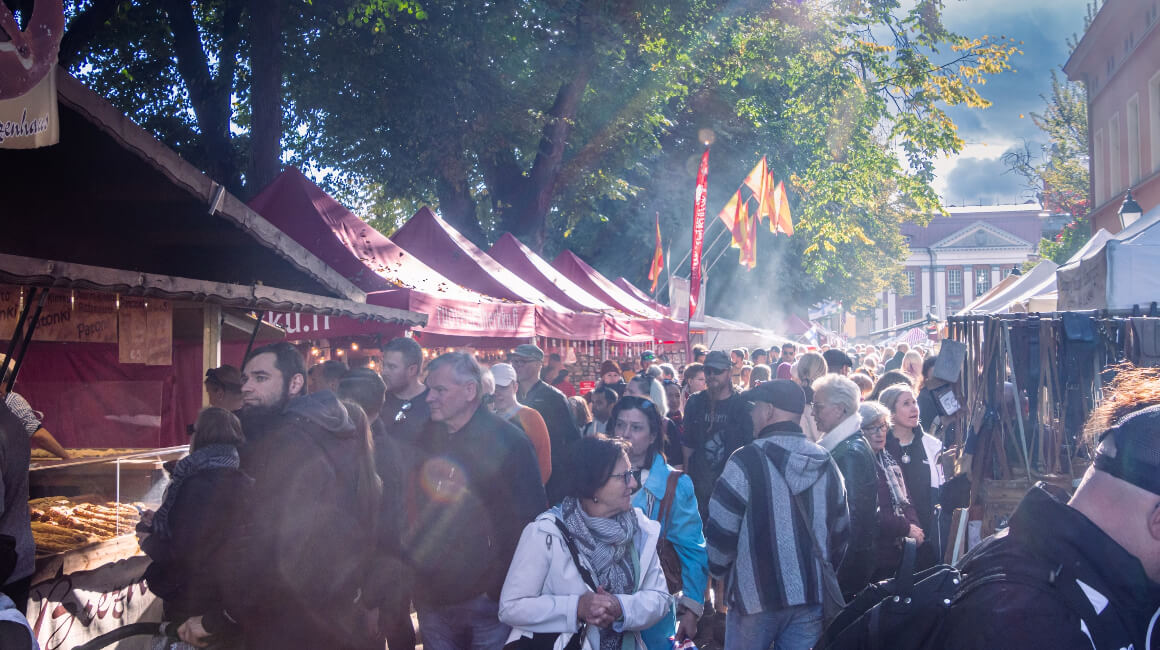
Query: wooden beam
[211,343]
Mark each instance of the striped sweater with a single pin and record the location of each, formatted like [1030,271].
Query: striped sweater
[757,540]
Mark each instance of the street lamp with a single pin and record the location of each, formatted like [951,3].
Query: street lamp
[1130,211]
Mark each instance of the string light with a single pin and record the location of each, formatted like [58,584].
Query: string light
[340,352]
[353,346]
[315,352]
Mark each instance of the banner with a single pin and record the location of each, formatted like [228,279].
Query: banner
[145,332]
[699,201]
[68,316]
[679,298]
[28,112]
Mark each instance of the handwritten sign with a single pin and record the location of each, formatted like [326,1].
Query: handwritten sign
[67,316]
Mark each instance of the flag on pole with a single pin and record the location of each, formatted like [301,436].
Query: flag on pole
[658,262]
[699,200]
[758,181]
[750,250]
[782,221]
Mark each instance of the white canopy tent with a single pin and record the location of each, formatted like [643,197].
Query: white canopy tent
[1122,273]
[1041,275]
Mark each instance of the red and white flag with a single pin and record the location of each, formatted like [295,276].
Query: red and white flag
[699,201]
[658,263]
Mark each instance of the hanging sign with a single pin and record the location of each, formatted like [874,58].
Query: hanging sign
[28,109]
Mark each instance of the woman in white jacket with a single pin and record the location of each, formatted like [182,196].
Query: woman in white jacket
[617,546]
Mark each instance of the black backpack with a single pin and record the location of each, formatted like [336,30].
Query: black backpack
[906,612]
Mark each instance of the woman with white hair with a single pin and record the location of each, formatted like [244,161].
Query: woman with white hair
[897,519]
[917,453]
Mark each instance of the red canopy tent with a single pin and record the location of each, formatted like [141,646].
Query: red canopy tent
[640,295]
[391,276]
[521,260]
[576,270]
[432,240]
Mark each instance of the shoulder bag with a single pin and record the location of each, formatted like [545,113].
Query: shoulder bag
[547,640]
[666,552]
[832,600]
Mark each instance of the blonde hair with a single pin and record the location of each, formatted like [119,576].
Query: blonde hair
[912,364]
[810,366]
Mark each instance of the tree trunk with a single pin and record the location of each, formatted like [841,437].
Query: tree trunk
[210,97]
[456,204]
[265,93]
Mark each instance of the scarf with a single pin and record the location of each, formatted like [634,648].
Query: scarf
[898,496]
[218,456]
[606,543]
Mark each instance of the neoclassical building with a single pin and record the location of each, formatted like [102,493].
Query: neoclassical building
[958,257]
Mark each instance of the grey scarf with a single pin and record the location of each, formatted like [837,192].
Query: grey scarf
[898,496]
[606,543]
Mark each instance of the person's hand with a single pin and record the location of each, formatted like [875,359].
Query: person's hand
[686,625]
[612,607]
[593,609]
[917,534]
[193,632]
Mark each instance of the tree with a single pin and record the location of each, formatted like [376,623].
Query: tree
[1060,174]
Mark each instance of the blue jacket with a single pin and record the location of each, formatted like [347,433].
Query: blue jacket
[687,536]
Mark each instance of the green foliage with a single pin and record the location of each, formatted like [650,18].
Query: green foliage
[571,122]
[1070,239]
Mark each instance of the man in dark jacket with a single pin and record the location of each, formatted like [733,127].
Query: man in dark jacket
[716,423]
[302,559]
[836,413]
[478,488]
[1083,574]
[895,362]
[528,359]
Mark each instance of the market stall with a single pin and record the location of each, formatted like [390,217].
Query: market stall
[160,264]
[392,276]
[1123,272]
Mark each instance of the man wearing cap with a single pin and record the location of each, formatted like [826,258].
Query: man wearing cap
[527,359]
[224,387]
[647,358]
[716,424]
[1077,575]
[756,534]
[838,362]
[527,419]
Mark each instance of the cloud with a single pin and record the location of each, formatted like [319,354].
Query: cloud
[984,181]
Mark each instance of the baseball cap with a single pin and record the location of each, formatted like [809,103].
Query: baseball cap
[717,360]
[782,393]
[837,359]
[1137,454]
[648,355]
[503,373]
[529,351]
[227,375]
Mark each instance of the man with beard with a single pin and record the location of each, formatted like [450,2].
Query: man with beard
[302,557]
[716,424]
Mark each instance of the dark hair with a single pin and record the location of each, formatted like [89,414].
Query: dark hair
[216,426]
[699,351]
[364,387]
[591,461]
[368,485]
[610,395]
[792,346]
[409,348]
[655,424]
[691,371]
[758,352]
[927,364]
[213,377]
[287,359]
[555,357]
[332,370]
[887,380]
[760,372]
[741,352]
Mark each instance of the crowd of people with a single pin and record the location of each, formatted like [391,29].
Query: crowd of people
[318,507]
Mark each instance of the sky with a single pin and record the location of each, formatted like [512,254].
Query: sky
[977,175]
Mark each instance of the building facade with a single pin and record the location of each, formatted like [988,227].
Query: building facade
[957,258]
[1118,61]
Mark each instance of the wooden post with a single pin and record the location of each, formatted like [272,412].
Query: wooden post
[211,343]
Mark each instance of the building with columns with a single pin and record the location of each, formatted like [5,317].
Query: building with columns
[957,257]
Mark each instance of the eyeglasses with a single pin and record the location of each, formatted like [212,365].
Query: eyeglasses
[715,371]
[402,414]
[628,477]
[875,428]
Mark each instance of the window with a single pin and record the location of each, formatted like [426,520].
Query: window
[954,282]
[1098,167]
[910,279]
[982,280]
[1133,140]
[1115,182]
[1154,119]
[909,315]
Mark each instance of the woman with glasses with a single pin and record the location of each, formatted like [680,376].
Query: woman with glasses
[917,453]
[667,498]
[617,589]
[897,518]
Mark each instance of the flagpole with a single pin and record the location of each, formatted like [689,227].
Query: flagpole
[707,248]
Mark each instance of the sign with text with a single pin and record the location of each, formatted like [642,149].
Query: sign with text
[68,316]
[145,332]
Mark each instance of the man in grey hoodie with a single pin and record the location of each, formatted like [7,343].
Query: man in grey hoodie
[758,540]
